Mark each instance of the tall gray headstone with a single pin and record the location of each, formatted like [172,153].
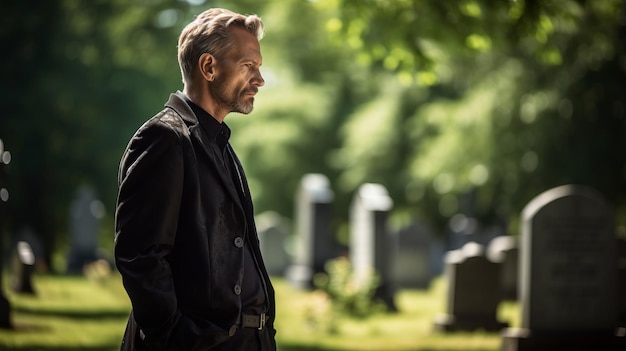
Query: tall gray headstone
[5,306]
[621,264]
[85,214]
[411,257]
[370,247]
[273,237]
[473,291]
[504,250]
[22,269]
[568,274]
[314,241]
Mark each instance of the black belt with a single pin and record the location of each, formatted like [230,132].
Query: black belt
[253,320]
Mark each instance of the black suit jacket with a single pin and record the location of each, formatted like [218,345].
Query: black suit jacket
[179,224]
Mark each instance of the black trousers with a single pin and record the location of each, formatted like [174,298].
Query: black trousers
[245,339]
[248,339]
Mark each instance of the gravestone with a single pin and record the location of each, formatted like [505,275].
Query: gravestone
[411,257]
[504,250]
[621,265]
[5,306]
[568,274]
[461,229]
[28,234]
[22,269]
[85,214]
[473,291]
[370,247]
[5,313]
[273,237]
[314,241]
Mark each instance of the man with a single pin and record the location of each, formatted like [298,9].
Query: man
[186,242]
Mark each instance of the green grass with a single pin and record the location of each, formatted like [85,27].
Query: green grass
[75,313]
[304,319]
[68,313]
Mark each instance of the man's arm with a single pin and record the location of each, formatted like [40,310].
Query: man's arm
[150,187]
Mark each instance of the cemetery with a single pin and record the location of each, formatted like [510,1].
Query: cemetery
[426,175]
[558,286]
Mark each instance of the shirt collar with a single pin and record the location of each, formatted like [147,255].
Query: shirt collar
[217,132]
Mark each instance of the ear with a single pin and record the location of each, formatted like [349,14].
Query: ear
[206,66]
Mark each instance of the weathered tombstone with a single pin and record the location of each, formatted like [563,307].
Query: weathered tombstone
[437,255]
[504,250]
[473,291]
[568,274]
[369,240]
[273,237]
[411,257]
[314,242]
[5,313]
[85,214]
[5,306]
[28,234]
[621,264]
[461,230]
[23,267]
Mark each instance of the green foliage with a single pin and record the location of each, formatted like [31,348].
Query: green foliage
[346,297]
[508,105]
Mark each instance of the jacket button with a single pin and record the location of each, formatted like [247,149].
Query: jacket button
[239,241]
[237,289]
[232,330]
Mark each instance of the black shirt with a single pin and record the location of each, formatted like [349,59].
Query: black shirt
[253,299]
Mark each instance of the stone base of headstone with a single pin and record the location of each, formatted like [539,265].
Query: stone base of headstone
[458,323]
[518,339]
[5,313]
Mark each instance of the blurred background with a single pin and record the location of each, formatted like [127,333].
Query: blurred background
[468,106]
[474,103]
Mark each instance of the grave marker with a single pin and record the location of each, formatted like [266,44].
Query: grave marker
[273,238]
[621,265]
[5,306]
[314,242]
[23,267]
[411,257]
[504,250]
[568,274]
[85,214]
[473,291]
[370,240]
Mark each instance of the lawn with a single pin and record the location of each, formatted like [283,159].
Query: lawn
[75,313]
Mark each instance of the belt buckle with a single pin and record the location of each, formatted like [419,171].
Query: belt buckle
[261,321]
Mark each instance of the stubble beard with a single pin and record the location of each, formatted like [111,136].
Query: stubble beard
[234,102]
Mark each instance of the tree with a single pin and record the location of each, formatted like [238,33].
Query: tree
[502,99]
[84,76]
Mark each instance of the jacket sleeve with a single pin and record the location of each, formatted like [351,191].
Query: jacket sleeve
[150,187]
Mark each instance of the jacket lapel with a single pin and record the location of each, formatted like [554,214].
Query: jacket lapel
[178,104]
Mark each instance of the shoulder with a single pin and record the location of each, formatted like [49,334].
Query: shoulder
[165,128]
[160,138]
[166,121]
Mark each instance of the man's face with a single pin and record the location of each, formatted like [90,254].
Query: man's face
[238,77]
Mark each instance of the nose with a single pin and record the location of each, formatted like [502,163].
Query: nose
[258,80]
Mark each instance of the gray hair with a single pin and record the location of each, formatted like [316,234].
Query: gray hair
[208,33]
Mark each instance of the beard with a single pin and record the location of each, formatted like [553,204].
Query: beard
[232,100]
